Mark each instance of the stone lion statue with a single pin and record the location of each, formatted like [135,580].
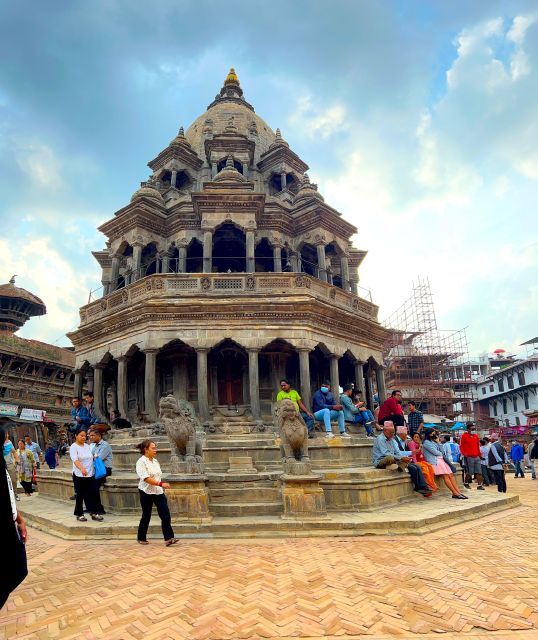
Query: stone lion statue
[181,424]
[293,438]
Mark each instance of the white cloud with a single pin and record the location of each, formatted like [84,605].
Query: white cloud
[39,163]
[314,121]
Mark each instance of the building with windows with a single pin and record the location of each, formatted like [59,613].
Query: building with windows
[226,271]
[36,378]
[507,395]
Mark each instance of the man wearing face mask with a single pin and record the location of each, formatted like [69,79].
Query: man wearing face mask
[470,450]
[326,409]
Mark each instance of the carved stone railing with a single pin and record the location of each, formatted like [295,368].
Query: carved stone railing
[196,285]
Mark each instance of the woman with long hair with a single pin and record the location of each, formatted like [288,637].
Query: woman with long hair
[13,528]
[151,491]
[86,488]
[433,453]
[415,445]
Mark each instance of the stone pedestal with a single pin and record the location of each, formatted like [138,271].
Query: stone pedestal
[302,497]
[188,497]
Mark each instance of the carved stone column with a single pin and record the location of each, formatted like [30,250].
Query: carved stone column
[182,261]
[114,273]
[208,251]
[370,388]
[249,236]
[283,180]
[277,258]
[254,382]
[294,260]
[150,384]
[380,379]
[137,261]
[344,271]
[174,178]
[245,169]
[77,385]
[354,286]
[322,266]
[98,388]
[359,378]
[165,262]
[203,404]
[334,376]
[122,385]
[304,373]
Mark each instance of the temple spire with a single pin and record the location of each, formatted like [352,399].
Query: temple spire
[231,78]
[231,91]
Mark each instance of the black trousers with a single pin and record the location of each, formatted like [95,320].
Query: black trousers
[86,491]
[500,479]
[397,419]
[147,500]
[417,477]
[27,486]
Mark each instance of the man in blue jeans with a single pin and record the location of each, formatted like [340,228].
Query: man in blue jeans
[356,413]
[325,409]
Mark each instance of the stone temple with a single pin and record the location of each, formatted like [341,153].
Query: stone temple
[226,271]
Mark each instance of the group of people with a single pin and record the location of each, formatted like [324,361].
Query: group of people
[349,409]
[22,462]
[84,416]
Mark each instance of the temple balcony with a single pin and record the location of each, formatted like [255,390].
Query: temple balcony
[192,286]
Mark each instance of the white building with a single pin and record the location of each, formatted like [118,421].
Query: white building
[508,395]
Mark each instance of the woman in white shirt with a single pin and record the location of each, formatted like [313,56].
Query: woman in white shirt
[86,487]
[151,490]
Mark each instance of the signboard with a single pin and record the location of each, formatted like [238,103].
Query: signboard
[9,409]
[33,415]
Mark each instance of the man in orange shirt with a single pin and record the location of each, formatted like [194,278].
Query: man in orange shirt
[470,450]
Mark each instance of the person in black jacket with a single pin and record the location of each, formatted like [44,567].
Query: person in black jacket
[13,529]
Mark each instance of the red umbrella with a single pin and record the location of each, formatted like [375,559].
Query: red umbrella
[500,351]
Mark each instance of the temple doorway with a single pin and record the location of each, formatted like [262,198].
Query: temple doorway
[228,369]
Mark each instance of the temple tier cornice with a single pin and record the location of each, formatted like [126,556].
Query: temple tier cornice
[281,155]
[176,153]
[231,205]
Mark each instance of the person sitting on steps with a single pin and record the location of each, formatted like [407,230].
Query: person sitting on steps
[354,413]
[325,409]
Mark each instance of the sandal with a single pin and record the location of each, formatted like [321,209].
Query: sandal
[170,542]
[82,519]
[142,542]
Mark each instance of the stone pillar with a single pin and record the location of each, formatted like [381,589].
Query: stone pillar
[106,287]
[322,267]
[203,404]
[182,259]
[354,286]
[302,497]
[213,169]
[370,389]
[254,382]
[344,272]
[250,251]
[89,379]
[122,385]
[380,379]
[334,376]
[98,388]
[150,384]
[208,251]
[283,180]
[114,273]
[77,385]
[245,169]
[304,373]
[277,258]
[137,261]
[174,178]
[294,260]
[165,262]
[359,379]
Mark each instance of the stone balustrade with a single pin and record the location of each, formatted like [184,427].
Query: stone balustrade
[196,285]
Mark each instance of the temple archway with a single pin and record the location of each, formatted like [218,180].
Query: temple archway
[176,371]
[309,260]
[264,257]
[319,367]
[195,257]
[229,250]
[277,360]
[228,374]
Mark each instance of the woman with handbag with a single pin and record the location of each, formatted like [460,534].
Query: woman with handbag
[84,480]
[150,489]
[27,468]
[433,453]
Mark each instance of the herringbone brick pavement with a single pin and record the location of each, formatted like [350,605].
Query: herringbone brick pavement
[474,581]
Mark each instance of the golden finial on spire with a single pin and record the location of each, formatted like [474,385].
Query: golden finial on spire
[231,78]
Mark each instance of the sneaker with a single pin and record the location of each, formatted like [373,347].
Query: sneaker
[393,467]
[329,435]
[345,435]
[467,486]
[82,519]
[96,516]
[480,488]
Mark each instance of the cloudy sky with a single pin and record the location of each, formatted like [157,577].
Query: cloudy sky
[418,120]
